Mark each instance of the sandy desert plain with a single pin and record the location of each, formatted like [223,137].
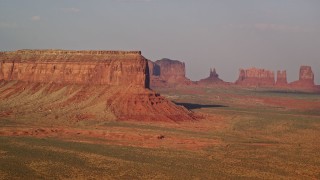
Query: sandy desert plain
[242,133]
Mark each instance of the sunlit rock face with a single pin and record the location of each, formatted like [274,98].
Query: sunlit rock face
[306,78]
[281,79]
[116,81]
[255,77]
[167,72]
[75,67]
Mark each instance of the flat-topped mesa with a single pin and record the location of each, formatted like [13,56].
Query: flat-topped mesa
[256,77]
[74,52]
[306,78]
[105,84]
[171,71]
[212,79]
[281,78]
[120,68]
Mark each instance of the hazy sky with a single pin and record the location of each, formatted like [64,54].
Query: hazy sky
[225,34]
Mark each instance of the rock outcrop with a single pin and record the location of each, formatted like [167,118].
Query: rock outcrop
[167,72]
[75,67]
[213,79]
[256,77]
[306,79]
[117,81]
[282,79]
[155,79]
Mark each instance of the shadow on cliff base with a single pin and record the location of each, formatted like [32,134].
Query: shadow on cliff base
[191,106]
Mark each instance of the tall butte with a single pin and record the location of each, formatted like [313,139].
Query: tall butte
[282,79]
[306,79]
[81,85]
[213,79]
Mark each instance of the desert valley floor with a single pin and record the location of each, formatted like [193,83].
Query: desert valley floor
[241,133]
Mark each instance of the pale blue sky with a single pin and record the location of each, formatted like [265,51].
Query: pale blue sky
[225,34]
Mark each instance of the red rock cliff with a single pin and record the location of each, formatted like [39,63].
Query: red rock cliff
[171,71]
[155,79]
[306,79]
[83,84]
[281,78]
[255,77]
[75,67]
[306,74]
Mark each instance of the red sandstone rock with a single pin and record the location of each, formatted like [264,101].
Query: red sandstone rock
[155,79]
[213,79]
[120,79]
[75,67]
[281,78]
[136,103]
[171,71]
[306,79]
[306,74]
[256,77]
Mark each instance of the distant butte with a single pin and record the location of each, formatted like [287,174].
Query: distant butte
[167,72]
[306,79]
[83,85]
[281,79]
[255,77]
[171,73]
[213,79]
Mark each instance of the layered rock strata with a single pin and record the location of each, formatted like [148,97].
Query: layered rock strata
[75,67]
[256,77]
[117,79]
[167,72]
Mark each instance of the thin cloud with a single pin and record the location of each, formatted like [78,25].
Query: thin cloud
[35,18]
[71,10]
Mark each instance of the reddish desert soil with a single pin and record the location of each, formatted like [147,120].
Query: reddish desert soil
[253,135]
[127,136]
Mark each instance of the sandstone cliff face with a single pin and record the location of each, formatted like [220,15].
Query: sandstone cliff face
[306,79]
[117,81]
[281,78]
[256,77]
[168,72]
[171,70]
[213,79]
[265,78]
[75,67]
[154,68]
[306,74]
[155,79]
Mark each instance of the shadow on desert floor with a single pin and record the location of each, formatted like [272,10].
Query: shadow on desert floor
[199,106]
